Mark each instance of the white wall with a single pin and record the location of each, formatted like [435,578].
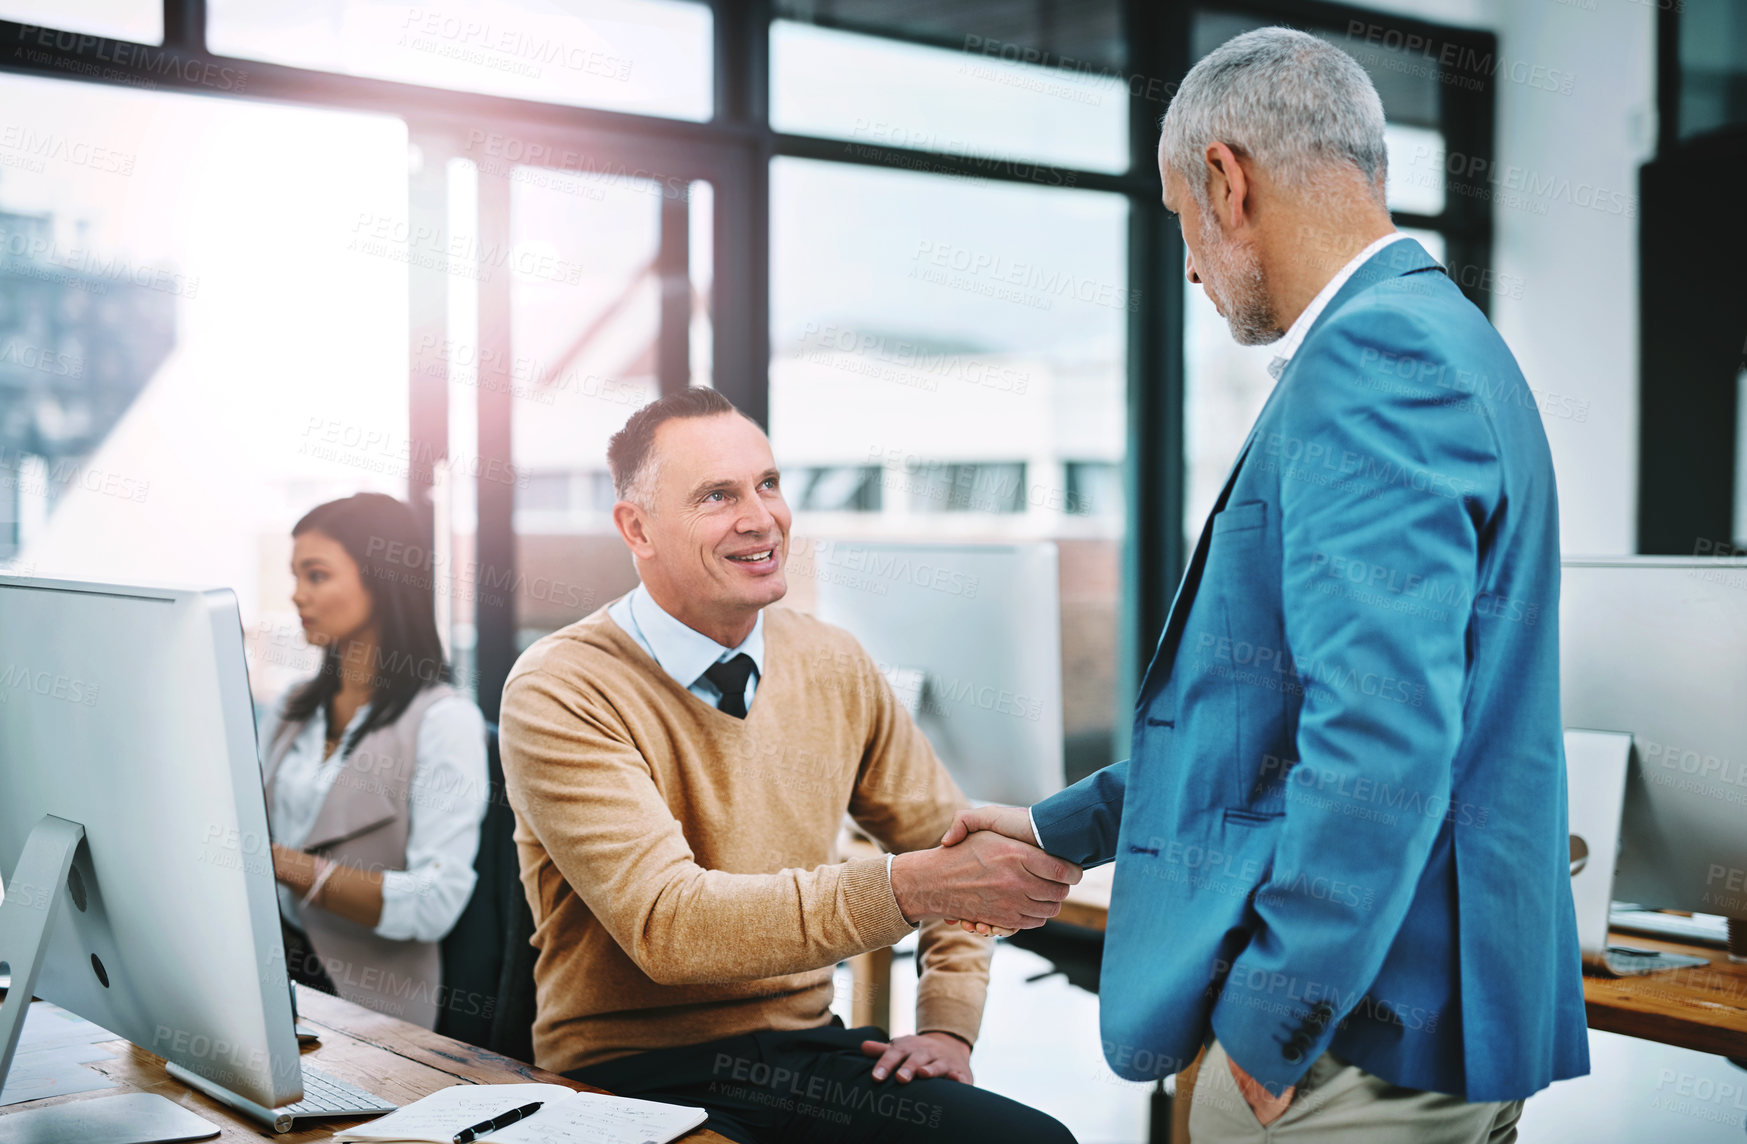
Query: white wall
[1575,119]
[1575,326]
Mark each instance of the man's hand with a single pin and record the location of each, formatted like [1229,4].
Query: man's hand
[923,1055]
[1013,821]
[1267,1107]
[986,878]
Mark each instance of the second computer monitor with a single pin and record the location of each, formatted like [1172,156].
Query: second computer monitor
[1657,647]
[970,636]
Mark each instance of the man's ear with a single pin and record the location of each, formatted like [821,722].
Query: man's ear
[632,522]
[1228,188]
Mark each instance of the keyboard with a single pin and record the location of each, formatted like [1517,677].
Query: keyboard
[324,1097]
[1624,961]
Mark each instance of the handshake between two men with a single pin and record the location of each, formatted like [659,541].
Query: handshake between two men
[988,875]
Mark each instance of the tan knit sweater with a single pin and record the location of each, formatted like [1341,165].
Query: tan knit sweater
[681,863]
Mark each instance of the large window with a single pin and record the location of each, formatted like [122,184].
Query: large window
[202,335]
[453,247]
[588,343]
[952,385]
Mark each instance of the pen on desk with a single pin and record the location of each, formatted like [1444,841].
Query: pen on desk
[468,1135]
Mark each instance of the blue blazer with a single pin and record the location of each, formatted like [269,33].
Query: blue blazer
[1343,822]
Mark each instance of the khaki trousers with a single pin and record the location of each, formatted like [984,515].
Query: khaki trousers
[1339,1103]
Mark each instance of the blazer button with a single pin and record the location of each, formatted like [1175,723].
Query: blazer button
[1291,1054]
[1300,1041]
[1323,1009]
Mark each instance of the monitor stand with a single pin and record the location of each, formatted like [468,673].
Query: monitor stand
[33,900]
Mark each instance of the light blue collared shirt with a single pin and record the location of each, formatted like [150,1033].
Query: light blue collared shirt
[684,652]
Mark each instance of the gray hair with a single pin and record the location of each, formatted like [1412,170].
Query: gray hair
[631,455]
[1297,106]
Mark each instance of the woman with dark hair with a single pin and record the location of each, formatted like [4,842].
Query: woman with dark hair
[375,773]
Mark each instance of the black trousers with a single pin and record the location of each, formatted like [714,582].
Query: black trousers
[816,1085]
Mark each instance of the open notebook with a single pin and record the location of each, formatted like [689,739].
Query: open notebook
[565,1117]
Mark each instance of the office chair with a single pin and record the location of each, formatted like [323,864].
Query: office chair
[488,963]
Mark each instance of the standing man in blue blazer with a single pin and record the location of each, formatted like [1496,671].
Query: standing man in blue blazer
[1340,841]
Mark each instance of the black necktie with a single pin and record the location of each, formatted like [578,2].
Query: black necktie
[730,678]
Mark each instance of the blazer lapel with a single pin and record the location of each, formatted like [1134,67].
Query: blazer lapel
[284,735]
[350,809]
[1399,258]
[1165,652]
[354,804]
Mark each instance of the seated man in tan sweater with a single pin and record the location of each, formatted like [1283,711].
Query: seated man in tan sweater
[680,763]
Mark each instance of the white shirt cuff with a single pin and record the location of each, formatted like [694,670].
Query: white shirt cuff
[1036,837]
[401,890]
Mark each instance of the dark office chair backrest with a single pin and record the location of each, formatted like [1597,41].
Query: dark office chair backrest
[488,963]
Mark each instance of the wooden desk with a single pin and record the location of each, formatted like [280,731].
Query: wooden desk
[1703,1008]
[382,1054]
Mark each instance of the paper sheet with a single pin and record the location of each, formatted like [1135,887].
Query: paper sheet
[567,1118]
[591,1118]
[447,1111]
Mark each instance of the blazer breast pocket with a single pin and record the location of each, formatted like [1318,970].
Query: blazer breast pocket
[1241,517]
[1242,559]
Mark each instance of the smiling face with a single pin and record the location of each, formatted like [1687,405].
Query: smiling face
[329,595]
[711,545]
[1229,271]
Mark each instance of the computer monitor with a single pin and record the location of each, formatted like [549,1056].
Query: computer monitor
[1657,647]
[139,889]
[970,636]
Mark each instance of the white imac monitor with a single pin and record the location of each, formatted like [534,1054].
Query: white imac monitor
[1657,648]
[138,880]
[970,636]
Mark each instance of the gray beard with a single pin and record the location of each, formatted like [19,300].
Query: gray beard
[1243,289]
